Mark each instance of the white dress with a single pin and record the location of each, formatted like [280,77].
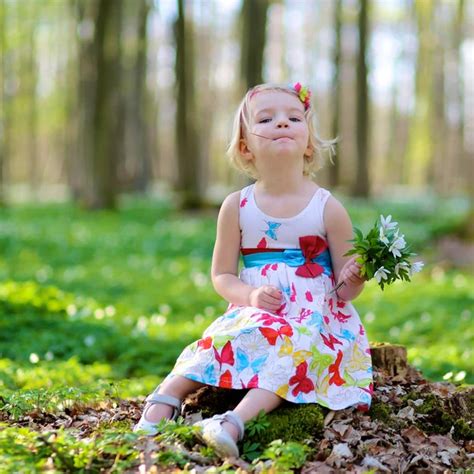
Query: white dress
[314,349]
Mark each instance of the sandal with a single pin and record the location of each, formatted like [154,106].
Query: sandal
[150,428]
[214,435]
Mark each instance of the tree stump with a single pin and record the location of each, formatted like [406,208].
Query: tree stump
[389,358]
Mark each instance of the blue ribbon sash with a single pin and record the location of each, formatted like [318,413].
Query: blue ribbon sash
[292,257]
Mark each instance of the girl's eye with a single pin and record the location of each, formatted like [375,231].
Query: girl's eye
[295,119]
[264,120]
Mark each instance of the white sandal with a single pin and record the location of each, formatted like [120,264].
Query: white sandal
[214,435]
[150,428]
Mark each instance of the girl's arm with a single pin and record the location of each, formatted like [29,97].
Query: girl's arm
[339,232]
[225,259]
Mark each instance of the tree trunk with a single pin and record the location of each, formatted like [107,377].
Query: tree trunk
[395,143]
[336,101]
[99,100]
[71,129]
[436,173]
[206,58]
[107,120]
[81,171]
[254,23]
[187,139]
[140,100]
[391,358]
[32,120]
[3,98]
[362,186]
[466,144]
[420,147]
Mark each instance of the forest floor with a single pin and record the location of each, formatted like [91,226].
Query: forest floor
[412,426]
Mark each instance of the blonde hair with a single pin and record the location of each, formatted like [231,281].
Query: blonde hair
[312,163]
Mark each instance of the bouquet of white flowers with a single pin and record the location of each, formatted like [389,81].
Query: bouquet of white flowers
[383,253]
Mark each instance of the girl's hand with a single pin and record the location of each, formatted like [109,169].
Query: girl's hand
[266,297]
[350,273]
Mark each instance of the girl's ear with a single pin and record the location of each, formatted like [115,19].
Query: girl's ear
[244,150]
[309,151]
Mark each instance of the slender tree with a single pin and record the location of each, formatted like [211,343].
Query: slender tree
[31,79]
[99,100]
[362,186]
[187,139]
[107,120]
[420,145]
[141,95]
[254,23]
[337,89]
[466,146]
[3,75]
[71,164]
[436,174]
[395,144]
[81,170]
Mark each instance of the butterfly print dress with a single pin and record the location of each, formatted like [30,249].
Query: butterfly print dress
[313,349]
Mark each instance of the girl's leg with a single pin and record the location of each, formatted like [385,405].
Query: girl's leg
[255,400]
[176,386]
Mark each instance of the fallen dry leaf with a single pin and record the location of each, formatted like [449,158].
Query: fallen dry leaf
[414,435]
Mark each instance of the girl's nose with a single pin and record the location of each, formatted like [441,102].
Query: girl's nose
[282,123]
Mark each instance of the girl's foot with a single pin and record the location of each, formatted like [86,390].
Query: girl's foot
[231,429]
[158,406]
[222,432]
[156,413]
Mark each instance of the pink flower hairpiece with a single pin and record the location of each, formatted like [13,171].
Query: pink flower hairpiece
[304,94]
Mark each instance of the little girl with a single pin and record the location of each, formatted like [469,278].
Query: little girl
[286,334]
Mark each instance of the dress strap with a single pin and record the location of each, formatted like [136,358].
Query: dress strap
[320,202]
[245,194]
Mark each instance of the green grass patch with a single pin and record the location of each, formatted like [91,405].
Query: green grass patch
[121,293]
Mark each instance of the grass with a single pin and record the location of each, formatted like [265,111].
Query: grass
[130,289]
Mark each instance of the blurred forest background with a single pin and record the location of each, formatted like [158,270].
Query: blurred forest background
[111,96]
[114,120]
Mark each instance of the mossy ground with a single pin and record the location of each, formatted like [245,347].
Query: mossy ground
[292,423]
[441,417]
[380,411]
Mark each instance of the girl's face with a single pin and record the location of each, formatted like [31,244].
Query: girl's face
[279,117]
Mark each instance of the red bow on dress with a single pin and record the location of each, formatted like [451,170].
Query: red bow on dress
[311,247]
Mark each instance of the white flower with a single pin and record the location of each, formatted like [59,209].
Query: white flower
[89,341]
[401,266]
[386,224]
[416,267]
[381,274]
[397,245]
[382,237]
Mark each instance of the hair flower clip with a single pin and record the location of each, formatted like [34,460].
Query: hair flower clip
[304,94]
